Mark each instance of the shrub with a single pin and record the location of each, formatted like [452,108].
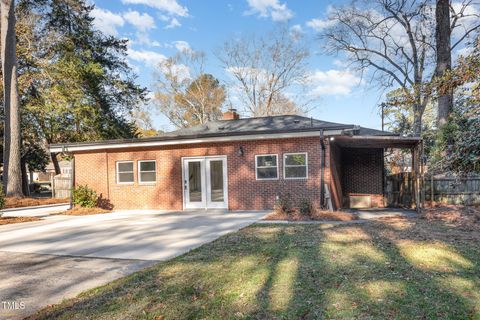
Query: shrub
[2,198]
[85,197]
[283,205]
[305,207]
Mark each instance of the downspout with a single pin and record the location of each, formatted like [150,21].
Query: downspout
[322,171]
[72,183]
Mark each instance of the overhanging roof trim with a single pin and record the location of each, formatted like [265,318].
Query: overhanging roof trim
[180,140]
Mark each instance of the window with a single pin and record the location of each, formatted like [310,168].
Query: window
[266,167]
[295,165]
[147,171]
[125,172]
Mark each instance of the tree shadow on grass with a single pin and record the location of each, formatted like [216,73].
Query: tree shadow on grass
[375,277]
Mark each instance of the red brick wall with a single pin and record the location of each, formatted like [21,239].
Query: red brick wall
[97,169]
[362,174]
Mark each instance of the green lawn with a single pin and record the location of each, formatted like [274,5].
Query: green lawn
[403,269]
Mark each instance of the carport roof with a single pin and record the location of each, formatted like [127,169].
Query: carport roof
[366,141]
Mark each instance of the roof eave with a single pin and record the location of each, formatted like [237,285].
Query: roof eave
[192,139]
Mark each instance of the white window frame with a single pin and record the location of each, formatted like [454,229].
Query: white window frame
[117,171]
[285,166]
[139,172]
[256,166]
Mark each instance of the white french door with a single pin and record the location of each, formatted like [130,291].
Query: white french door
[205,182]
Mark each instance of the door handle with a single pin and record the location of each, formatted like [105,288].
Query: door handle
[185,185]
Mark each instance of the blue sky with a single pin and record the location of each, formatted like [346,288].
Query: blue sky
[159,28]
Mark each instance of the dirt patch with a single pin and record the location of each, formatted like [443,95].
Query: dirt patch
[79,211]
[12,202]
[315,216]
[11,220]
[454,215]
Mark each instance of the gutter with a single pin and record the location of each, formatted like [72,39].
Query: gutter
[322,170]
[192,139]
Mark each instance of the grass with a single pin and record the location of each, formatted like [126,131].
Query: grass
[10,220]
[389,269]
[13,202]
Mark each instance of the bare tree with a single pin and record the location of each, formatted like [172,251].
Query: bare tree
[265,68]
[394,42]
[12,173]
[185,94]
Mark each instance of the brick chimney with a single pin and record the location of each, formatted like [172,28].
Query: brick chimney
[231,114]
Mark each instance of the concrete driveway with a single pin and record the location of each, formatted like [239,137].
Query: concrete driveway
[46,261]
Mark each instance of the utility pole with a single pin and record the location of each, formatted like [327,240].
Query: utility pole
[382,105]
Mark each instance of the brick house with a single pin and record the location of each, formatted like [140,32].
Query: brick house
[239,164]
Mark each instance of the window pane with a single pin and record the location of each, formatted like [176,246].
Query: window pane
[195,181]
[266,161]
[295,160]
[125,167]
[295,172]
[216,180]
[125,177]
[147,166]
[267,173]
[147,176]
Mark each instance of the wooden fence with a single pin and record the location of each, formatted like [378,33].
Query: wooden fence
[61,186]
[447,190]
[398,190]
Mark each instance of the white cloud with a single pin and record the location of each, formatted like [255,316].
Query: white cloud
[320,24]
[297,28]
[143,38]
[270,9]
[174,23]
[155,59]
[141,21]
[171,7]
[149,58]
[182,46]
[465,51]
[333,82]
[107,21]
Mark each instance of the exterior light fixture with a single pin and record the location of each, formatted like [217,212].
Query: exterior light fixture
[240,151]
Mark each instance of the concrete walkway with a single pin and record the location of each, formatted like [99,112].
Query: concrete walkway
[46,261]
[376,213]
[147,235]
[32,281]
[35,211]
[364,215]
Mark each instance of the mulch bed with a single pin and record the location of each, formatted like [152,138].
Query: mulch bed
[315,216]
[454,215]
[10,220]
[79,211]
[12,202]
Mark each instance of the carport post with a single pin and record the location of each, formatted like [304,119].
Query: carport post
[415,177]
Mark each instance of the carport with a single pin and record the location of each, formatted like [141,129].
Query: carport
[358,169]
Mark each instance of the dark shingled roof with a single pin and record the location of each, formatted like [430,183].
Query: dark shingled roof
[247,126]
[288,123]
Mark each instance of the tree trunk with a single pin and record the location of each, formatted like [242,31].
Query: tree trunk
[12,145]
[25,182]
[444,59]
[417,121]
[56,165]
